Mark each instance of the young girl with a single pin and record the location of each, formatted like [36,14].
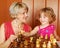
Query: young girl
[47,17]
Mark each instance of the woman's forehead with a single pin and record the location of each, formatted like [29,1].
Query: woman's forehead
[22,11]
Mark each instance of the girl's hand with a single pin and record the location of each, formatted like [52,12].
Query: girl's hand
[12,38]
[22,31]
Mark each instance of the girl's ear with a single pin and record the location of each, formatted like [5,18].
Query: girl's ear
[50,20]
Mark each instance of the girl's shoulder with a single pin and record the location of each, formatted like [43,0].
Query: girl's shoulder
[52,26]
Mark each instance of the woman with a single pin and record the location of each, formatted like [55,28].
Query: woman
[9,30]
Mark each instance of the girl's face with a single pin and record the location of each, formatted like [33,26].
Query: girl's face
[22,16]
[43,19]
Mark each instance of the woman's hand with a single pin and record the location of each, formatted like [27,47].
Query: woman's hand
[12,38]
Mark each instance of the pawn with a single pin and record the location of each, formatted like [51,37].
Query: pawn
[54,43]
[31,42]
[42,39]
[31,39]
[51,38]
[44,45]
[21,45]
[46,38]
[25,42]
[37,43]
[49,44]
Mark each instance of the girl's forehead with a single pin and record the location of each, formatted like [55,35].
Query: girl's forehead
[43,14]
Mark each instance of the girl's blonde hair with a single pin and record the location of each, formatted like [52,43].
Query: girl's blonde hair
[49,13]
[17,7]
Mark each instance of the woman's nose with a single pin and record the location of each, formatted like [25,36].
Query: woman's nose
[26,14]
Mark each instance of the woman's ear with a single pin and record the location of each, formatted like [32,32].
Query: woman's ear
[14,16]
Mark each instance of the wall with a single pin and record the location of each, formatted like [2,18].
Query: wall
[58,28]
[4,10]
[34,6]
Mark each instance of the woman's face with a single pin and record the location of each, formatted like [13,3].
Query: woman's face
[22,16]
[43,19]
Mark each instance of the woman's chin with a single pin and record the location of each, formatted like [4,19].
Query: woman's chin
[24,21]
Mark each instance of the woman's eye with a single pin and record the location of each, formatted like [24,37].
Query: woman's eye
[23,13]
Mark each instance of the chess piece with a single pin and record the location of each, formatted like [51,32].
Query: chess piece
[46,38]
[21,45]
[54,43]
[44,45]
[49,44]
[42,38]
[31,39]
[51,38]
[31,42]
[25,44]
[37,43]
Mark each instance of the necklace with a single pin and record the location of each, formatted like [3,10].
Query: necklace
[17,26]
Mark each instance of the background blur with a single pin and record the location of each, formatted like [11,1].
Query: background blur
[34,6]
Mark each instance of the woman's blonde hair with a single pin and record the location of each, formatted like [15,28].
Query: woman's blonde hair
[17,7]
[49,13]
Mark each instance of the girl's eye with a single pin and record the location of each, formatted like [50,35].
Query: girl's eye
[39,16]
[44,16]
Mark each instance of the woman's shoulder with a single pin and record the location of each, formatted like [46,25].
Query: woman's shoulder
[5,23]
[2,29]
[9,22]
[1,26]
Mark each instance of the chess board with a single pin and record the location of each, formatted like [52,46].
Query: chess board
[34,41]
